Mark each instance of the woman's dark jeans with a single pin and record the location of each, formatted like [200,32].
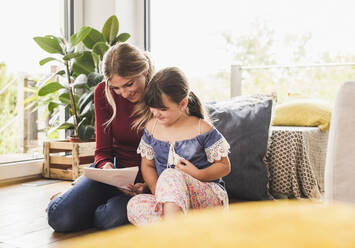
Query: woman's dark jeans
[88,204]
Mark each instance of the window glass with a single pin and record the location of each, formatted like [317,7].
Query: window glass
[22,121]
[204,38]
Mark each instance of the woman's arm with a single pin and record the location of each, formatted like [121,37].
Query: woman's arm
[218,169]
[149,173]
[104,150]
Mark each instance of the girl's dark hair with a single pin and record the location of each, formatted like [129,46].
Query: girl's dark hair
[172,82]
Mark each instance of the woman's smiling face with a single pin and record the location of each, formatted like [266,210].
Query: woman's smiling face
[131,89]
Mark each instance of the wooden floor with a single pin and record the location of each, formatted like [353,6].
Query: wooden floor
[23,220]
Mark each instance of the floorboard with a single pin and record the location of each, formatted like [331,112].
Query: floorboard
[23,220]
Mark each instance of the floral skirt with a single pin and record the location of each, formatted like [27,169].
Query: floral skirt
[177,187]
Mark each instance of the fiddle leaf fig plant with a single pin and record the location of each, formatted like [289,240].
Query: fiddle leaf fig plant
[97,43]
[78,72]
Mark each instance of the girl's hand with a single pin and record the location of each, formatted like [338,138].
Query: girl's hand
[138,188]
[187,167]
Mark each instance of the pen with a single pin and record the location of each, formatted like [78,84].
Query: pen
[114,162]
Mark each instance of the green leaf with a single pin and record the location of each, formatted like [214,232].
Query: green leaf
[81,81]
[83,102]
[63,125]
[84,121]
[100,48]
[83,97]
[49,43]
[52,106]
[115,40]
[76,99]
[86,110]
[46,60]
[94,79]
[72,55]
[92,38]
[49,88]
[85,131]
[83,64]
[110,28]
[79,36]
[123,37]
[96,59]
[64,98]
[61,72]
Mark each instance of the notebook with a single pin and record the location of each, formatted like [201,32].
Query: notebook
[115,177]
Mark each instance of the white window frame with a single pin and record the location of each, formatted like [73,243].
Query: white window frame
[133,14]
[20,170]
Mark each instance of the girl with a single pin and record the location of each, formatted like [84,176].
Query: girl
[183,156]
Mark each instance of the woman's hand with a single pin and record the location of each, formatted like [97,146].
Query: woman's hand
[108,165]
[187,167]
[138,188]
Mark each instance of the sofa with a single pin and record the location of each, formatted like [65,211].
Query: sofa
[278,223]
[340,161]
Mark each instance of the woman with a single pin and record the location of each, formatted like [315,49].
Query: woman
[89,203]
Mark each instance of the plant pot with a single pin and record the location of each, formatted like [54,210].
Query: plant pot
[75,139]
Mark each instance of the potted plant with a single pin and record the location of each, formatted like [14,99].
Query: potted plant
[78,73]
[73,85]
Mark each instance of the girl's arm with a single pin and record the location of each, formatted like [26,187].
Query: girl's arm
[149,173]
[218,169]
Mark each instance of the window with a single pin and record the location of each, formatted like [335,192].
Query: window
[22,122]
[289,47]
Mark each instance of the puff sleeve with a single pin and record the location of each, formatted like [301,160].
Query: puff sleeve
[216,146]
[145,148]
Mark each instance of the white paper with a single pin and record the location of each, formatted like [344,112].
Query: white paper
[115,177]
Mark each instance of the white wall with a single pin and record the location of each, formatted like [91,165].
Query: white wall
[130,14]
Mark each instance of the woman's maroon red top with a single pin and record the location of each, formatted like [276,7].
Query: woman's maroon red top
[118,139]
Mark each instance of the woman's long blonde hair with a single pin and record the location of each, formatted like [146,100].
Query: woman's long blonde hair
[127,61]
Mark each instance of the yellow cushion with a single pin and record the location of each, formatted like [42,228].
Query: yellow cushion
[303,112]
[275,224]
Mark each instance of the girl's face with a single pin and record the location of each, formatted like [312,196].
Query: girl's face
[171,113]
[130,88]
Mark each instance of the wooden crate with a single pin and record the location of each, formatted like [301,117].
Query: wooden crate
[66,160]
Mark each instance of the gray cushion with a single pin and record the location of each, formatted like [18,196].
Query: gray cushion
[245,123]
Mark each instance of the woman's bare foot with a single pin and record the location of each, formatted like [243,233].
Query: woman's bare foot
[52,197]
